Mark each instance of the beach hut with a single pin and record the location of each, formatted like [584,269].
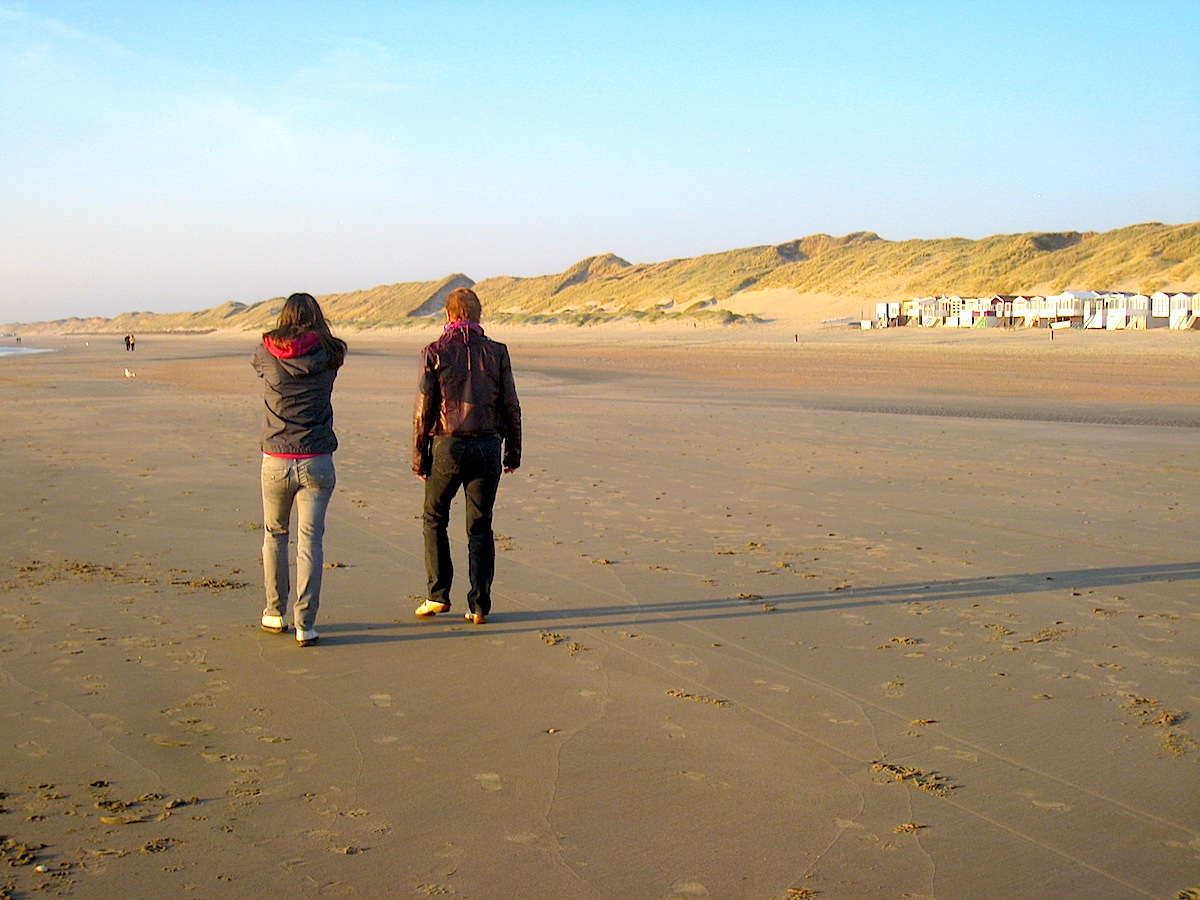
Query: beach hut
[1160,311]
[1024,310]
[1117,311]
[972,309]
[954,309]
[1137,313]
[1068,306]
[1002,305]
[889,314]
[1193,303]
[1045,310]
[1183,307]
[1095,313]
[933,311]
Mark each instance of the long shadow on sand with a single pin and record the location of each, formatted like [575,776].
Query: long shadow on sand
[849,597]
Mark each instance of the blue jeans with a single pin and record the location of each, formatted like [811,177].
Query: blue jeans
[473,464]
[306,484]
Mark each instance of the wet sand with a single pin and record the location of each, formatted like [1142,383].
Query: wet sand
[863,615]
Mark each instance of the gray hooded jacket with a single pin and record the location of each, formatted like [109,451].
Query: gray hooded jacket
[297,396]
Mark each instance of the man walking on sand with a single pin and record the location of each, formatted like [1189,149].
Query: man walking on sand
[466,430]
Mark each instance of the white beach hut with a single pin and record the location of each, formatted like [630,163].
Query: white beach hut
[978,312]
[1183,308]
[1025,310]
[933,311]
[1116,311]
[889,314]
[1002,307]
[954,308]
[1190,302]
[1138,311]
[1068,306]
[1095,313]
[1160,310]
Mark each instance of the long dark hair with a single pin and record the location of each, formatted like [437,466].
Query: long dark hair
[301,314]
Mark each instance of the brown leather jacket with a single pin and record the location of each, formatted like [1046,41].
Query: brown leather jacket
[465,388]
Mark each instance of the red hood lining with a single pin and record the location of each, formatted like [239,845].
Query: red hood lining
[298,346]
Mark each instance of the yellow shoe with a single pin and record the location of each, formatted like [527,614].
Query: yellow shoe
[432,608]
[476,618]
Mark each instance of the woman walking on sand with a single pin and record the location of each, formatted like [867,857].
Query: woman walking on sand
[298,363]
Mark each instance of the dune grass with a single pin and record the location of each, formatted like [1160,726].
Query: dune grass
[861,267]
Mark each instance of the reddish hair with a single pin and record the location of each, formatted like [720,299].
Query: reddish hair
[462,303]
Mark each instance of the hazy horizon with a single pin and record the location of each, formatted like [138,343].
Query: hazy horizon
[177,156]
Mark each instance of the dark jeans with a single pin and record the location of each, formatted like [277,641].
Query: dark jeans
[472,463]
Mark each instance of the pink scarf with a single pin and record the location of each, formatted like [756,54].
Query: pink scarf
[462,327]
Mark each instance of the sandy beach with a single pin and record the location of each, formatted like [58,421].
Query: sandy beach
[905,614]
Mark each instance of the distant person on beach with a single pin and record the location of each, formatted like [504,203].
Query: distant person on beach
[466,430]
[132,342]
[298,363]
[128,342]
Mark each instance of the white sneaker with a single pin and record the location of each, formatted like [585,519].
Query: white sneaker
[273,624]
[306,637]
[432,608]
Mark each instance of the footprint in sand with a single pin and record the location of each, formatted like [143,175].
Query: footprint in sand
[449,851]
[196,726]
[524,837]
[673,730]
[489,781]
[777,688]
[1051,805]
[686,890]
[163,740]
[106,723]
[963,755]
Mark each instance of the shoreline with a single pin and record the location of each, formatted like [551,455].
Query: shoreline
[1102,377]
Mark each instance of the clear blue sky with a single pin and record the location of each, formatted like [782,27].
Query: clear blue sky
[168,155]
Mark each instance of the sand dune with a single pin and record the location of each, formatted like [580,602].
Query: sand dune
[795,284]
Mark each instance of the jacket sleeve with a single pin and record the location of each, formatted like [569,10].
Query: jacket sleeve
[508,409]
[426,409]
[256,359]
